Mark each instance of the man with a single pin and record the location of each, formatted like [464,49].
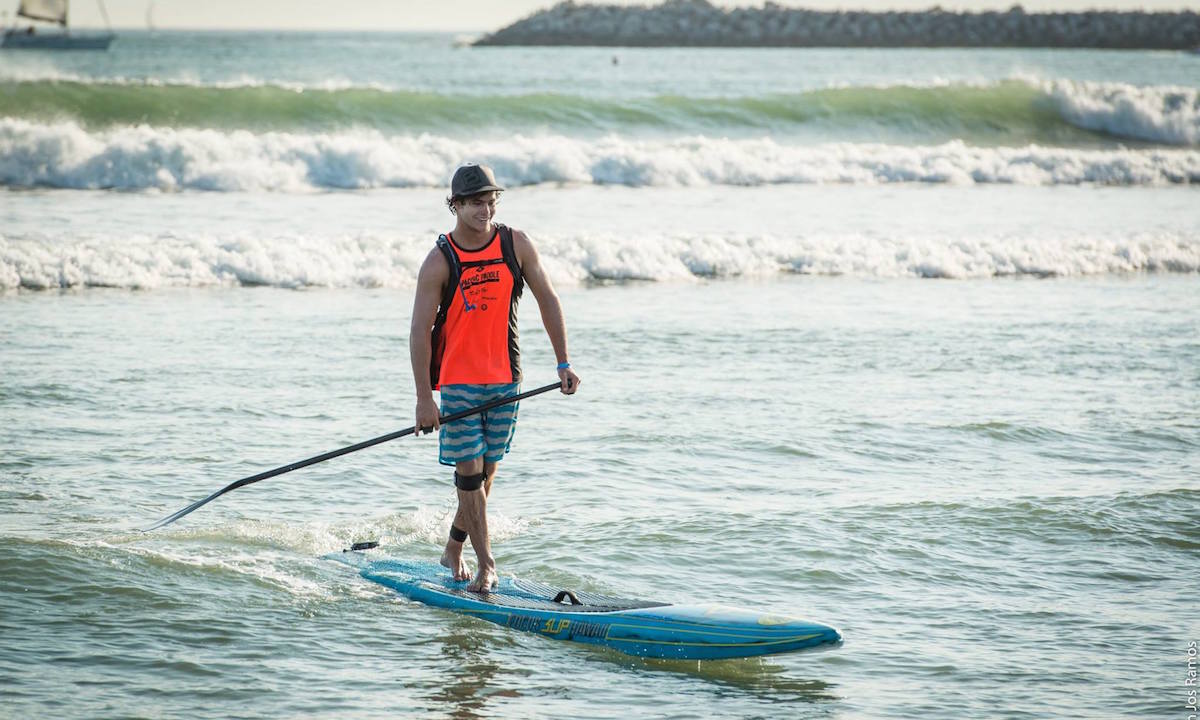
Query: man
[463,342]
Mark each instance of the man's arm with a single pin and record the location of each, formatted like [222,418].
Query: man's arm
[548,305]
[431,279]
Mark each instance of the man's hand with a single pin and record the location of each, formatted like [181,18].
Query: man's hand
[427,415]
[570,381]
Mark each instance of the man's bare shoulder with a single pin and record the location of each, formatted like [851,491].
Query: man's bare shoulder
[434,267]
[523,245]
[435,257]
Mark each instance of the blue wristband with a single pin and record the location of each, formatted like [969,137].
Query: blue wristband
[564,366]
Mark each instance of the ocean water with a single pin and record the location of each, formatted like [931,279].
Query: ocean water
[903,341]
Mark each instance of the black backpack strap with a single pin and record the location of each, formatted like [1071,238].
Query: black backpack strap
[443,244]
[510,258]
[437,342]
[509,254]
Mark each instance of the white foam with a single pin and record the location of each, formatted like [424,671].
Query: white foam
[282,555]
[144,262]
[65,155]
[1161,114]
[430,525]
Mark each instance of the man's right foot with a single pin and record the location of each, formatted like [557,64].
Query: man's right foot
[454,561]
[485,580]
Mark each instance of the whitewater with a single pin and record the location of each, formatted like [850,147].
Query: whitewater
[378,239]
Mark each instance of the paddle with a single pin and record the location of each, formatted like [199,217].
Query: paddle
[346,450]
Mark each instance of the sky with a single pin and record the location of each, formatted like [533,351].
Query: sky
[466,16]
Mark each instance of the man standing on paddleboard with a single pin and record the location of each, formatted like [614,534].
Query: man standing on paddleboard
[463,343]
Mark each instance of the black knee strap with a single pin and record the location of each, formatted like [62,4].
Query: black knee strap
[469,482]
[457,534]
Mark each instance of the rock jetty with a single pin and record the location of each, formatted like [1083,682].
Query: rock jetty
[699,23]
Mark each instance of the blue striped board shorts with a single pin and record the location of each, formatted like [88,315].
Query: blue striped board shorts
[488,434]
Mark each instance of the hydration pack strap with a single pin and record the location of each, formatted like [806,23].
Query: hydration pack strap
[443,244]
[510,258]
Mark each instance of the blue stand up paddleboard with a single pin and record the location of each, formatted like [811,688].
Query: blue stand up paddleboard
[644,629]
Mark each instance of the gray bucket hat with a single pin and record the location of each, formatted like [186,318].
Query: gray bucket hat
[472,179]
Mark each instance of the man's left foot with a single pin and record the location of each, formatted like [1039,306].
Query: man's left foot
[485,580]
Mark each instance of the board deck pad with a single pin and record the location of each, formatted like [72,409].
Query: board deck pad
[532,595]
[634,627]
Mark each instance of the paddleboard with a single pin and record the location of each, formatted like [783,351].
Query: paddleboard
[634,627]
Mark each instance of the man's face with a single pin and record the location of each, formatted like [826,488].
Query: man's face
[477,212]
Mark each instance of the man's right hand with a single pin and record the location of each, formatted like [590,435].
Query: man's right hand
[427,415]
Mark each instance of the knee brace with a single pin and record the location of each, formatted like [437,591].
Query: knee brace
[469,482]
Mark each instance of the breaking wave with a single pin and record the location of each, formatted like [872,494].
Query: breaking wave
[374,261]
[67,155]
[1009,112]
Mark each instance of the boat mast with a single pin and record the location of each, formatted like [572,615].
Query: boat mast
[104,14]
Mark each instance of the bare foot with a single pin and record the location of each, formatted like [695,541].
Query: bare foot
[485,580]
[454,560]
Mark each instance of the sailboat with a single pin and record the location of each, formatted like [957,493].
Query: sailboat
[53,11]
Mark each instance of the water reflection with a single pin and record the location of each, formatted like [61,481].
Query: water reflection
[470,675]
[758,677]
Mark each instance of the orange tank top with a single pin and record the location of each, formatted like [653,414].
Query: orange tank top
[475,337]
